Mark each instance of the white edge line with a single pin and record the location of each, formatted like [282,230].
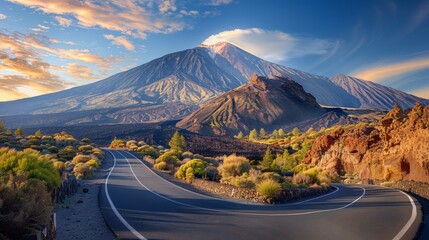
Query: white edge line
[112,206]
[228,200]
[240,213]
[410,222]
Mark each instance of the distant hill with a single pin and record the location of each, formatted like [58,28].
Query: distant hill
[262,102]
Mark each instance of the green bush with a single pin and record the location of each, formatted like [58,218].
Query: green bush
[117,143]
[198,169]
[268,188]
[85,149]
[234,166]
[67,153]
[29,162]
[149,151]
[167,161]
[93,163]
[271,175]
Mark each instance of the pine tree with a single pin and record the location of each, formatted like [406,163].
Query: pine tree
[268,159]
[19,132]
[177,142]
[38,133]
[253,134]
[262,133]
[275,134]
[281,133]
[296,132]
[1,126]
[9,131]
[239,135]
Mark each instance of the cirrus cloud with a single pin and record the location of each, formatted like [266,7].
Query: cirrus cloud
[2,16]
[120,41]
[381,72]
[272,45]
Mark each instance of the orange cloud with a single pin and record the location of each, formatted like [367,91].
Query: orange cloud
[127,16]
[79,71]
[121,41]
[14,87]
[379,73]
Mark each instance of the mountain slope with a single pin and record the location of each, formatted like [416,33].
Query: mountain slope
[373,95]
[262,102]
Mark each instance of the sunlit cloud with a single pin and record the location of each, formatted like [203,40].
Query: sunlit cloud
[219,2]
[2,16]
[65,22]
[15,87]
[382,72]
[120,41]
[272,45]
[129,17]
[81,72]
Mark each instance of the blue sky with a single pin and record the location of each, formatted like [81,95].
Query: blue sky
[49,45]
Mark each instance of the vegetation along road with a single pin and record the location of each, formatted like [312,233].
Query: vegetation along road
[139,204]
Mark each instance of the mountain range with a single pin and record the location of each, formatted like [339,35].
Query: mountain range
[186,80]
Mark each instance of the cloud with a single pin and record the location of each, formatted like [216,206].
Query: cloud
[23,73]
[14,87]
[120,41]
[129,17]
[79,71]
[190,13]
[2,16]
[58,41]
[380,73]
[167,5]
[65,22]
[219,2]
[272,45]
[422,92]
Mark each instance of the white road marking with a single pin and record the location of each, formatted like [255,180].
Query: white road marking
[240,213]
[115,211]
[410,221]
[227,200]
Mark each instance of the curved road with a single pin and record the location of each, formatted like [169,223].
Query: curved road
[139,204]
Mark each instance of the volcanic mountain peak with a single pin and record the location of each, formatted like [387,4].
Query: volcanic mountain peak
[262,102]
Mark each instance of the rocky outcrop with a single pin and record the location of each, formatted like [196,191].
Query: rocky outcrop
[395,148]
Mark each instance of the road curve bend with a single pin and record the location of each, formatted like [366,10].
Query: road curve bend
[139,204]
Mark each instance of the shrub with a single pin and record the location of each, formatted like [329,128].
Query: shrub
[242,181]
[82,171]
[169,160]
[98,153]
[59,166]
[53,149]
[161,166]
[67,153]
[234,166]
[212,173]
[271,175]
[268,188]
[300,167]
[85,149]
[301,179]
[196,165]
[149,151]
[25,205]
[81,159]
[117,143]
[30,162]
[93,163]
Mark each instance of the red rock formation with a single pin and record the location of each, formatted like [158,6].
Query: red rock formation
[395,148]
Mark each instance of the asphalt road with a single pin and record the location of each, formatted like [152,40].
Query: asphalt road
[139,204]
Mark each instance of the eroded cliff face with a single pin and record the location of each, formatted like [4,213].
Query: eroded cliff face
[395,148]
